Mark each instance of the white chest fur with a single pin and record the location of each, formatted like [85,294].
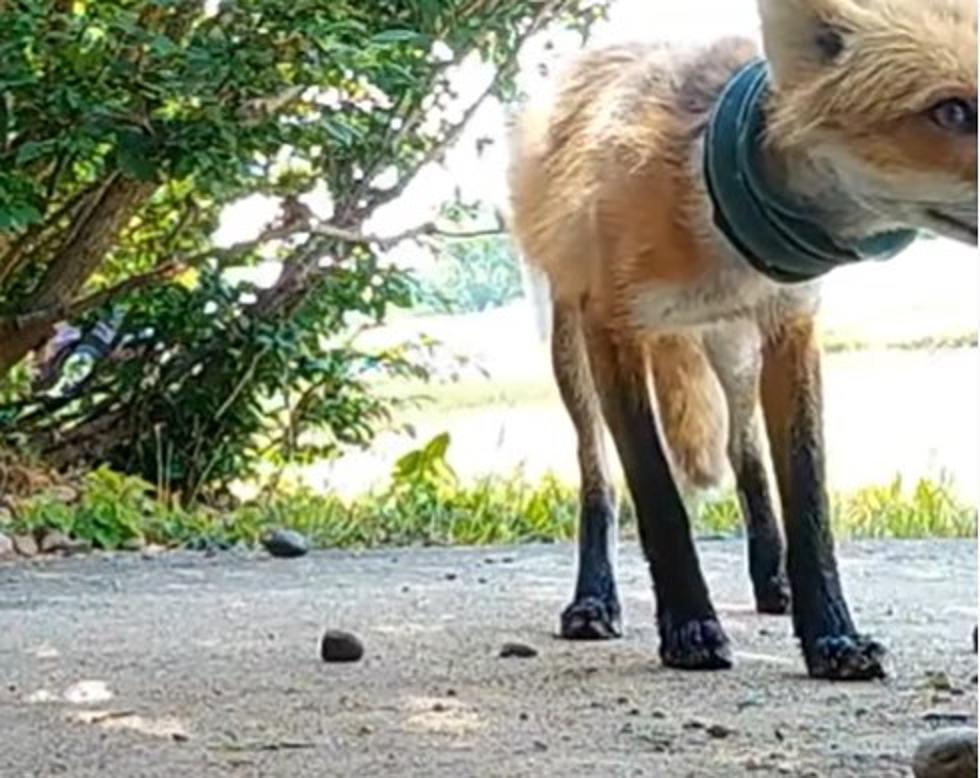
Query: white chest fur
[731,291]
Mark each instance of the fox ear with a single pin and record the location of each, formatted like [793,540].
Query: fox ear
[802,36]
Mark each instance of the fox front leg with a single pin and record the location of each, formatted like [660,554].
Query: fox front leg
[792,402]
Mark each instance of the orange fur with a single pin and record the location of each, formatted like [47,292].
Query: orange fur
[606,189]
[585,174]
[691,409]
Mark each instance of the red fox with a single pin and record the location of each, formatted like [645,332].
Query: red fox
[683,206]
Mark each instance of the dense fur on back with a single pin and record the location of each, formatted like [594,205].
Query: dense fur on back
[617,138]
[622,122]
[871,127]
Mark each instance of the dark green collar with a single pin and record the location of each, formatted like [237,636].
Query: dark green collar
[775,235]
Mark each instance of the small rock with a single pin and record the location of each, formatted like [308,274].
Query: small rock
[974,640]
[338,646]
[950,753]
[749,701]
[6,547]
[522,716]
[719,731]
[88,693]
[540,745]
[939,681]
[450,576]
[135,544]
[693,724]
[658,740]
[945,717]
[439,707]
[286,544]
[61,493]
[54,542]
[517,651]
[25,545]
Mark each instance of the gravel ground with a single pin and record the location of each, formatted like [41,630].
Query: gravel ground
[183,665]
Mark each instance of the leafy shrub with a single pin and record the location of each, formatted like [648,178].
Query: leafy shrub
[426,504]
[129,127]
[473,276]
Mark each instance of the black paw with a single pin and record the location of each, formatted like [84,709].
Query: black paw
[591,618]
[772,596]
[845,658]
[697,644]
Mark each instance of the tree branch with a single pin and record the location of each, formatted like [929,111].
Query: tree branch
[429,229]
[94,233]
[543,14]
[52,314]
[13,253]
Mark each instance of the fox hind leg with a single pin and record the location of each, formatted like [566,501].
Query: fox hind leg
[691,636]
[736,355]
[594,613]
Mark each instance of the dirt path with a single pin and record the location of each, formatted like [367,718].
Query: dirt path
[202,667]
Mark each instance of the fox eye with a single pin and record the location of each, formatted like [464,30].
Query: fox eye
[956,115]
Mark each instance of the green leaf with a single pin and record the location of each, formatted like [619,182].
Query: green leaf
[134,155]
[34,150]
[400,36]
[16,217]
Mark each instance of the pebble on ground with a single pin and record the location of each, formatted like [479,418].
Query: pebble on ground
[339,646]
[286,544]
[948,753]
[517,651]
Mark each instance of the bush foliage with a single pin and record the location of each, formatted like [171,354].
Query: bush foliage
[127,126]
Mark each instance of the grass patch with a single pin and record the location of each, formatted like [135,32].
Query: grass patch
[948,342]
[428,506]
[471,394]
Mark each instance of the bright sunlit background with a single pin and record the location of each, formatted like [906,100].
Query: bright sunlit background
[909,411]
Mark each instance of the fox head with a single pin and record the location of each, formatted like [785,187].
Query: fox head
[881,95]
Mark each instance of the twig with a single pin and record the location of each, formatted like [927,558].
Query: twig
[255,111]
[457,130]
[428,229]
[240,386]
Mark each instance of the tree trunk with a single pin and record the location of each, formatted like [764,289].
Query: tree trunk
[94,234]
